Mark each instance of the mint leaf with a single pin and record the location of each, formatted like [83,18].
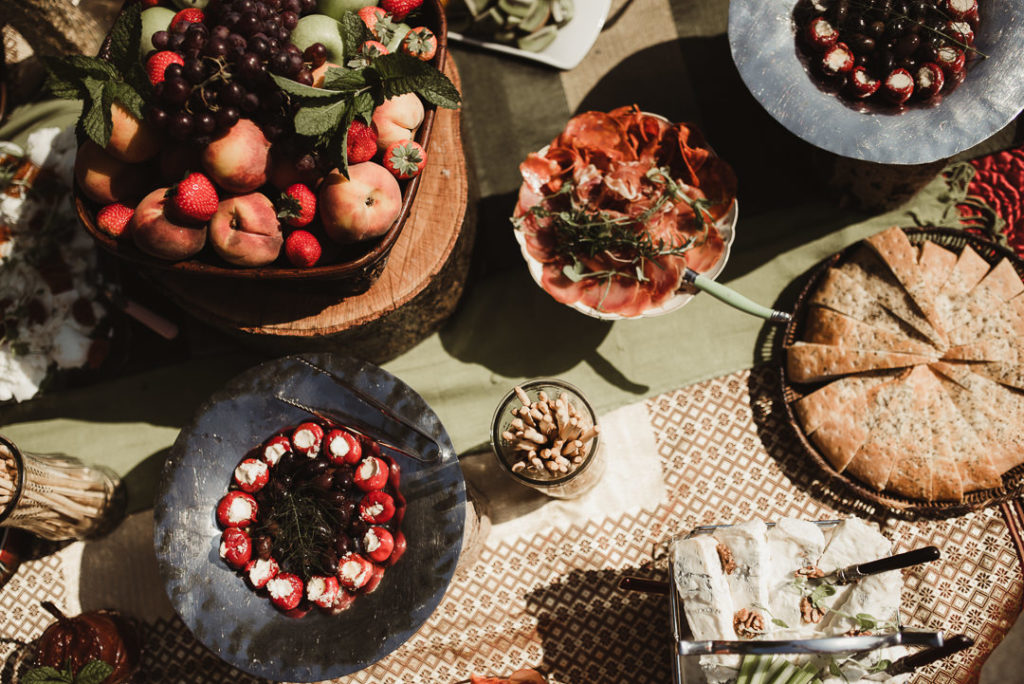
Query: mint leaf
[125,36]
[353,34]
[821,592]
[95,121]
[66,75]
[865,621]
[125,95]
[833,669]
[340,79]
[94,672]
[302,93]
[45,675]
[881,666]
[779,623]
[399,74]
[320,119]
[363,105]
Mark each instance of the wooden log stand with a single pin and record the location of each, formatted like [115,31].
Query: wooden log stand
[418,289]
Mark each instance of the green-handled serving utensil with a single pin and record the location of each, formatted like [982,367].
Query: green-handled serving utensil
[735,299]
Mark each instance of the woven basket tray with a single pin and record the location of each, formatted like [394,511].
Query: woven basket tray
[1013,481]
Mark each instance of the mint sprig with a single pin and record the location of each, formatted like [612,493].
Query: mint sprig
[94,672]
[100,83]
[324,114]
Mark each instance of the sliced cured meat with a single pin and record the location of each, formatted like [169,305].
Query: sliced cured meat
[703,257]
[596,136]
[642,132]
[528,199]
[664,276]
[620,296]
[624,181]
[824,326]
[559,286]
[537,171]
[806,362]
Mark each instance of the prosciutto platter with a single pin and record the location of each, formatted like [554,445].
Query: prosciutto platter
[911,362]
[618,206]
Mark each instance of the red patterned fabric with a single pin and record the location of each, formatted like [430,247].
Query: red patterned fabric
[999,182]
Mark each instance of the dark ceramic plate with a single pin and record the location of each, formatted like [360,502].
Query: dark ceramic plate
[763,44]
[242,627]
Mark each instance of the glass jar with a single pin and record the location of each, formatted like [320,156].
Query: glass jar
[556,466]
[57,497]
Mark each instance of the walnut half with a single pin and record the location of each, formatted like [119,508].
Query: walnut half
[810,613]
[812,571]
[748,623]
[725,555]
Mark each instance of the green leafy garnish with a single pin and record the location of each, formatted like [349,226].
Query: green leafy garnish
[101,83]
[94,672]
[820,593]
[325,113]
[881,666]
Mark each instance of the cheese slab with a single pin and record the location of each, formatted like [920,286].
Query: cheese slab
[834,398]
[703,588]
[825,326]
[747,545]
[807,362]
[792,544]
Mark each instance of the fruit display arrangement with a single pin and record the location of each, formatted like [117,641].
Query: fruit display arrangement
[618,206]
[527,24]
[254,133]
[313,518]
[888,51]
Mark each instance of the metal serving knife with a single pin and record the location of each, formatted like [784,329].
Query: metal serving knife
[954,644]
[837,644]
[925,554]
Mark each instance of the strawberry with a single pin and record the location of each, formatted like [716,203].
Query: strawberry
[405,159]
[195,198]
[158,63]
[297,206]
[362,142]
[399,8]
[370,16]
[379,22]
[113,219]
[192,15]
[302,249]
[373,48]
[420,43]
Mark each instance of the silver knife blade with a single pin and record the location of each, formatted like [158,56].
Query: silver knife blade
[837,644]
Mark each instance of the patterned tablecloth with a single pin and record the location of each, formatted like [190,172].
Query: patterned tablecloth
[540,588]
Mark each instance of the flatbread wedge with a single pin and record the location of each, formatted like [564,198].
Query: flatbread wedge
[893,247]
[841,434]
[1002,282]
[970,268]
[893,434]
[836,398]
[807,362]
[841,292]
[936,263]
[993,411]
[878,281]
[825,326]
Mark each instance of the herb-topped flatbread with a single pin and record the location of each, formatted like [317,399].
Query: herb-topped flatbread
[806,362]
[825,326]
[841,292]
[836,397]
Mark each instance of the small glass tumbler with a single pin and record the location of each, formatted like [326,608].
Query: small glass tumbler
[57,497]
[567,459]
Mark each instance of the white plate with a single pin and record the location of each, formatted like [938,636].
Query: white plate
[726,228]
[569,47]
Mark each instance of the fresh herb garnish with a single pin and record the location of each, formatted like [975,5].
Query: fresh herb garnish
[101,83]
[303,524]
[820,593]
[94,672]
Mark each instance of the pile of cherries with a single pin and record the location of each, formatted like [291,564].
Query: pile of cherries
[227,58]
[888,51]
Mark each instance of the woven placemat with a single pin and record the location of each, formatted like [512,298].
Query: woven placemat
[550,599]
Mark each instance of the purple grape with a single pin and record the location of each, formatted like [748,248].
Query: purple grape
[293,6]
[236,43]
[227,117]
[305,76]
[280,63]
[308,6]
[259,45]
[289,20]
[194,70]
[156,116]
[180,125]
[295,63]
[221,32]
[231,94]
[283,34]
[180,27]
[316,54]
[248,24]
[231,19]
[175,41]
[250,103]
[205,123]
[250,68]
[176,90]
[216,47]
[160,40]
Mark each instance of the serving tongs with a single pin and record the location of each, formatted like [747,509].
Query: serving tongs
[822,645]
[432,451]
[734,299]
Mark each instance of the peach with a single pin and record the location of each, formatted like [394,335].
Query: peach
[320,73]
[359,207]
[155,234]
[238,160]
[245,230]
[397,119]
[105,179]
[131,140]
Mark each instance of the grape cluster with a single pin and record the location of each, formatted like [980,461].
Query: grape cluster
[228,60]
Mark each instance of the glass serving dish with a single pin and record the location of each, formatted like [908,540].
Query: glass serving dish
[586,464]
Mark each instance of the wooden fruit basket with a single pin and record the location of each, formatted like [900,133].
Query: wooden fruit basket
[363,263]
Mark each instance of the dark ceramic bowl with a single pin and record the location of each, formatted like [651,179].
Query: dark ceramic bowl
[361,264]
[762,37]
[242,627]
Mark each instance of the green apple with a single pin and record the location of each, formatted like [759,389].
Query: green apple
[319,28]
[153,19]
[185,4]
[335,8]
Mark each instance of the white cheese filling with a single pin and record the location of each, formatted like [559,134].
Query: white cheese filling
[354,572]
[261,571]
[316,588]
[374,510]
[305,440]
[900,81]
[249,471]
[239,510]
[369,468]
[339,447]
[370,541]
[273,453]
[279,588]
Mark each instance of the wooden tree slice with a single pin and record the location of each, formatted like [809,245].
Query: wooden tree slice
[417,290]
